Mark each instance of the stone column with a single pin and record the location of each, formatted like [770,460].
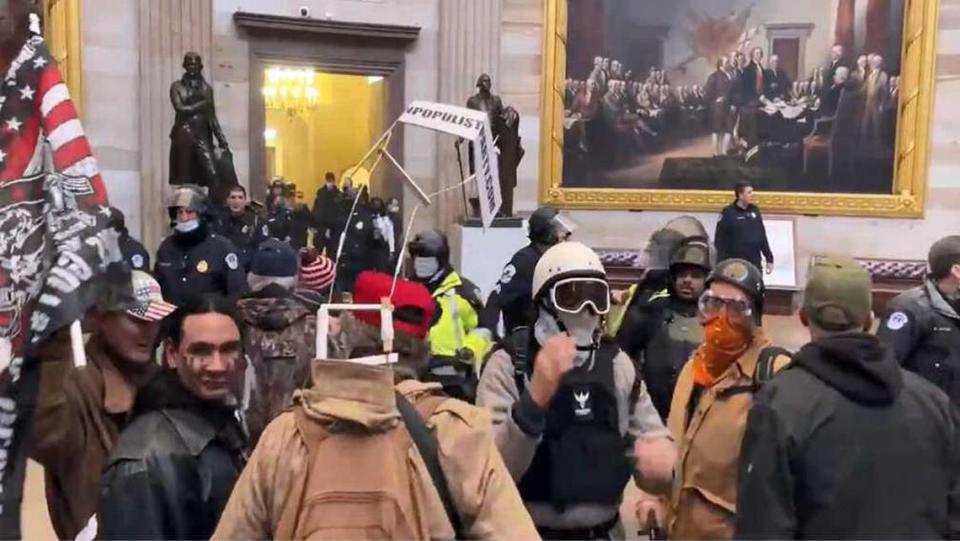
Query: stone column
[469,46]
[168,29]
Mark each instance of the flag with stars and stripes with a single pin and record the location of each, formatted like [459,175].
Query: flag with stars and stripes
[56,247]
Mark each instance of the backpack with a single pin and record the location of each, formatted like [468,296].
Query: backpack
[358,484]
[762,373]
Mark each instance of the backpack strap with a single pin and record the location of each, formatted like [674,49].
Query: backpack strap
[426,443]
[766,365]
[312,433]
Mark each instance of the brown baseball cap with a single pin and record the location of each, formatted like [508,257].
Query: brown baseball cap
[838,294]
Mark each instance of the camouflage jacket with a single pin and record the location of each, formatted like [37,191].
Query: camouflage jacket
[279,334]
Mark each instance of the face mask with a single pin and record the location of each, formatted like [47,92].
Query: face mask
[582,327]
[188,226]
[425,267]
[724,341]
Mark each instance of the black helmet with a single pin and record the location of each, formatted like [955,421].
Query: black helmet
[744,275]
[431,243]
[693,252]
[546,226]
[688,226]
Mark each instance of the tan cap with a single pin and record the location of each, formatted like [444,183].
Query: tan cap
[838,294]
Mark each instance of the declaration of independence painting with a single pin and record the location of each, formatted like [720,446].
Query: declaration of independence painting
[797,96]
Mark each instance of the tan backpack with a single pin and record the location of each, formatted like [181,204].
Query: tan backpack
[360,484]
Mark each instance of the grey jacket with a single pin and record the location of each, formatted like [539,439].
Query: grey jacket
[499,394]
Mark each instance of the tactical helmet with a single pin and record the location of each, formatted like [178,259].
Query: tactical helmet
[431,243]
[547,226]
[743,275]
[659,249]
[565,260]
[688,226]
[187,196]
[692,252]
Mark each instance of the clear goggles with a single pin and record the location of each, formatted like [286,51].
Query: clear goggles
[572,295]
[711,305]
[564,226]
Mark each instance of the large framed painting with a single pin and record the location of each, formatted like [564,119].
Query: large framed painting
[823,105]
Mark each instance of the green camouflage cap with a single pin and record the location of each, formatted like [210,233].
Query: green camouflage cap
[838,294]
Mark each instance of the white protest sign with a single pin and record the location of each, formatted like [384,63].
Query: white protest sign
[474,126]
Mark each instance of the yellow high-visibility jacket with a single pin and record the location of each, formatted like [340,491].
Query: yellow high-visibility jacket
[457,326]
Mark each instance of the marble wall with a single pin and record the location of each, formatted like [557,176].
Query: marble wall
[521,35]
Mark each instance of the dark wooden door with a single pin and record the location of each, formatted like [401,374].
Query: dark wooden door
[788,49]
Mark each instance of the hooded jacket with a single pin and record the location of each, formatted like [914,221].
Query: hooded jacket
[173,468]
[278,333]
[846,445]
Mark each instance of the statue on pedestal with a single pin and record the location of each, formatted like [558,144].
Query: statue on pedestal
[193,158]
[505,125]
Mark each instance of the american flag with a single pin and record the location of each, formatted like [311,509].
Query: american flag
[55,246]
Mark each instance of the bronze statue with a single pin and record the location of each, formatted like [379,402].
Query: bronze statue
[14,29]
[505,128]
[192,156]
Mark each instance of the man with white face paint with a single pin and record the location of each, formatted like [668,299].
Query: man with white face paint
[193,260]
[573,420]
[457,344]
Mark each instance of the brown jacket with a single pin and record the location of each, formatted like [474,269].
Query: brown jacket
[480,485]
[704,501]
[80,413]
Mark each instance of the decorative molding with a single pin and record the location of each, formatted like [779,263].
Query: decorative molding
[906,200]
[261,23]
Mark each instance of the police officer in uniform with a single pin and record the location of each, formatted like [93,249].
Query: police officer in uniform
[923,324]
[130,248]
[572,418]
[662,333]
[279,223]
[740,231]
[240,224]
[511,296]
[457,343]
[193,260]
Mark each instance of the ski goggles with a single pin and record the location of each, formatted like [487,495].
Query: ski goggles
[572,295]
[711,305]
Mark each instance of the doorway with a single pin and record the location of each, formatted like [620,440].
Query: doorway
[318,122]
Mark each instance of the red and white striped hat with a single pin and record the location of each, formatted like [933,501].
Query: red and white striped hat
[316,271]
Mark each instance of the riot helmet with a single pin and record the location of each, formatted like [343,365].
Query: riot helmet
[547,226]
[430,252]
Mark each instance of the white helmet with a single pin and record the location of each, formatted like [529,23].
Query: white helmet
[569,259]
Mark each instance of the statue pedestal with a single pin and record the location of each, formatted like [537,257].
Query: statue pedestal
[481,255]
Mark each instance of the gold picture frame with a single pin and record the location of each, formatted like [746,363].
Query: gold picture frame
[911,150]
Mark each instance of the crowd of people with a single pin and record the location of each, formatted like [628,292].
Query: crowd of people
[207,411]
[744,102]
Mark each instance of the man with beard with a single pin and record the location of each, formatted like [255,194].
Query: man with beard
[194,261]
[240,224]
[662,333]
[713,394]
[191,152]
[799,476]
[572,418]
[82,410]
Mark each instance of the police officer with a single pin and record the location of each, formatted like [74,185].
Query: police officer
[662,333]
[359,244]
[572,418]
[130,248]
[241,225]
[511,296]
[193,260]
[923,326]
[740,231]
[279,223]
[457,343]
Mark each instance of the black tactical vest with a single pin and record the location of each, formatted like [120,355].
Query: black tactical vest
[582,457]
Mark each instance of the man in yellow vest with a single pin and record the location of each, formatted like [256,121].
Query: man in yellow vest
[457,343]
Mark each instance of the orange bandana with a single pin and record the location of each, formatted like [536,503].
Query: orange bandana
[724,342]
